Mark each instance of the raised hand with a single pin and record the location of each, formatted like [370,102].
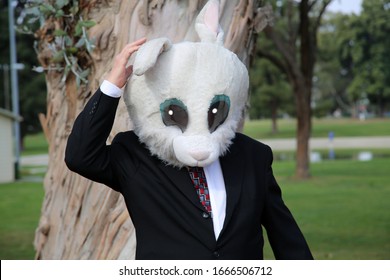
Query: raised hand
[120,72]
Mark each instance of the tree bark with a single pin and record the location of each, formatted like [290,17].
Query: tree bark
[81,219]
[274,118]
[302,93]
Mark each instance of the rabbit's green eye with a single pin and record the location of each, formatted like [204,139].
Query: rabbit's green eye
[174,112]
[218,111]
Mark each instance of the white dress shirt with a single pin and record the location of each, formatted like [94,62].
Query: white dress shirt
[217,191]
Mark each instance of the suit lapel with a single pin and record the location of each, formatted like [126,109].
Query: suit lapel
[233,167]
[182,181]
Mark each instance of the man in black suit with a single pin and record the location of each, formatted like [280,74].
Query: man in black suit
[170,220]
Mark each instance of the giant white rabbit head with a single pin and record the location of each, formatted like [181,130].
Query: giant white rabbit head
[186,99]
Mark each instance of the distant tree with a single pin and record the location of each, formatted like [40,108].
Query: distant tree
[294,37]
[369,54]
[32,85]
[270,93]
[333,71]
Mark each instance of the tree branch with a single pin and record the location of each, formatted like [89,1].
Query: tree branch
[306,43]
[319,17]
[311,5]
[273,59]
[293,32]
[315,27]
[284,48]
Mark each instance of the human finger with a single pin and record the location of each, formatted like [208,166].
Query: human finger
[138,42]
[129,49]
[129,70]
[120,72]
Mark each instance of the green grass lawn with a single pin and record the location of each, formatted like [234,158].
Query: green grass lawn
[261,129]
[343,210]
[35,144]
[338,153]
[20,207]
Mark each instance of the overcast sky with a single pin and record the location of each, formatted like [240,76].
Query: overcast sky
[345,6]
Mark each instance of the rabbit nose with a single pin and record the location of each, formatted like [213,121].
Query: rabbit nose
[200,155]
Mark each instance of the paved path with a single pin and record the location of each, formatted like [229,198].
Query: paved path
[278,145]
[34,160]
[338,142]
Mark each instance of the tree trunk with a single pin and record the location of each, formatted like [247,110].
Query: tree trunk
[274,118]
[302,168]
[302,89]
[85,220]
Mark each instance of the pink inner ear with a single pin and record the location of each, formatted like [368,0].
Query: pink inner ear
[211,17]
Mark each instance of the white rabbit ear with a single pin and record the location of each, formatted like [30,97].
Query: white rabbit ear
[148,53]
[207,23]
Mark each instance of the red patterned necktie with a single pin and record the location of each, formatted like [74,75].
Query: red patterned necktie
[199,180]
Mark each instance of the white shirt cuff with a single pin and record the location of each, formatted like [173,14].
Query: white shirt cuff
[110,89]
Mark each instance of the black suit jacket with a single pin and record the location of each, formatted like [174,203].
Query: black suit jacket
[169,220]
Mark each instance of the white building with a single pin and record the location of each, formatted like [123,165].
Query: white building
[7,157]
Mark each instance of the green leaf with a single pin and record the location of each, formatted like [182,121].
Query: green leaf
[32,11]
[80,43]
[90,46]
[88,23]
[59,14]
[61,3]
[84,74]
[68,41]
[74,10]
[59,32]
[32,20]
[78,30]
[72,50]
[66,73]
[47,9]
[58,57]
[81,24]
[78,81]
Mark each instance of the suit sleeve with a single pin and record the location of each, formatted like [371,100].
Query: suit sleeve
[284,235]
[86,152]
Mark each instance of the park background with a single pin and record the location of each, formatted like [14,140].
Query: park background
[342,208]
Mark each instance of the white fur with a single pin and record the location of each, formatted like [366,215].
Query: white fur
[193,73]
[152,50]
[207,25]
